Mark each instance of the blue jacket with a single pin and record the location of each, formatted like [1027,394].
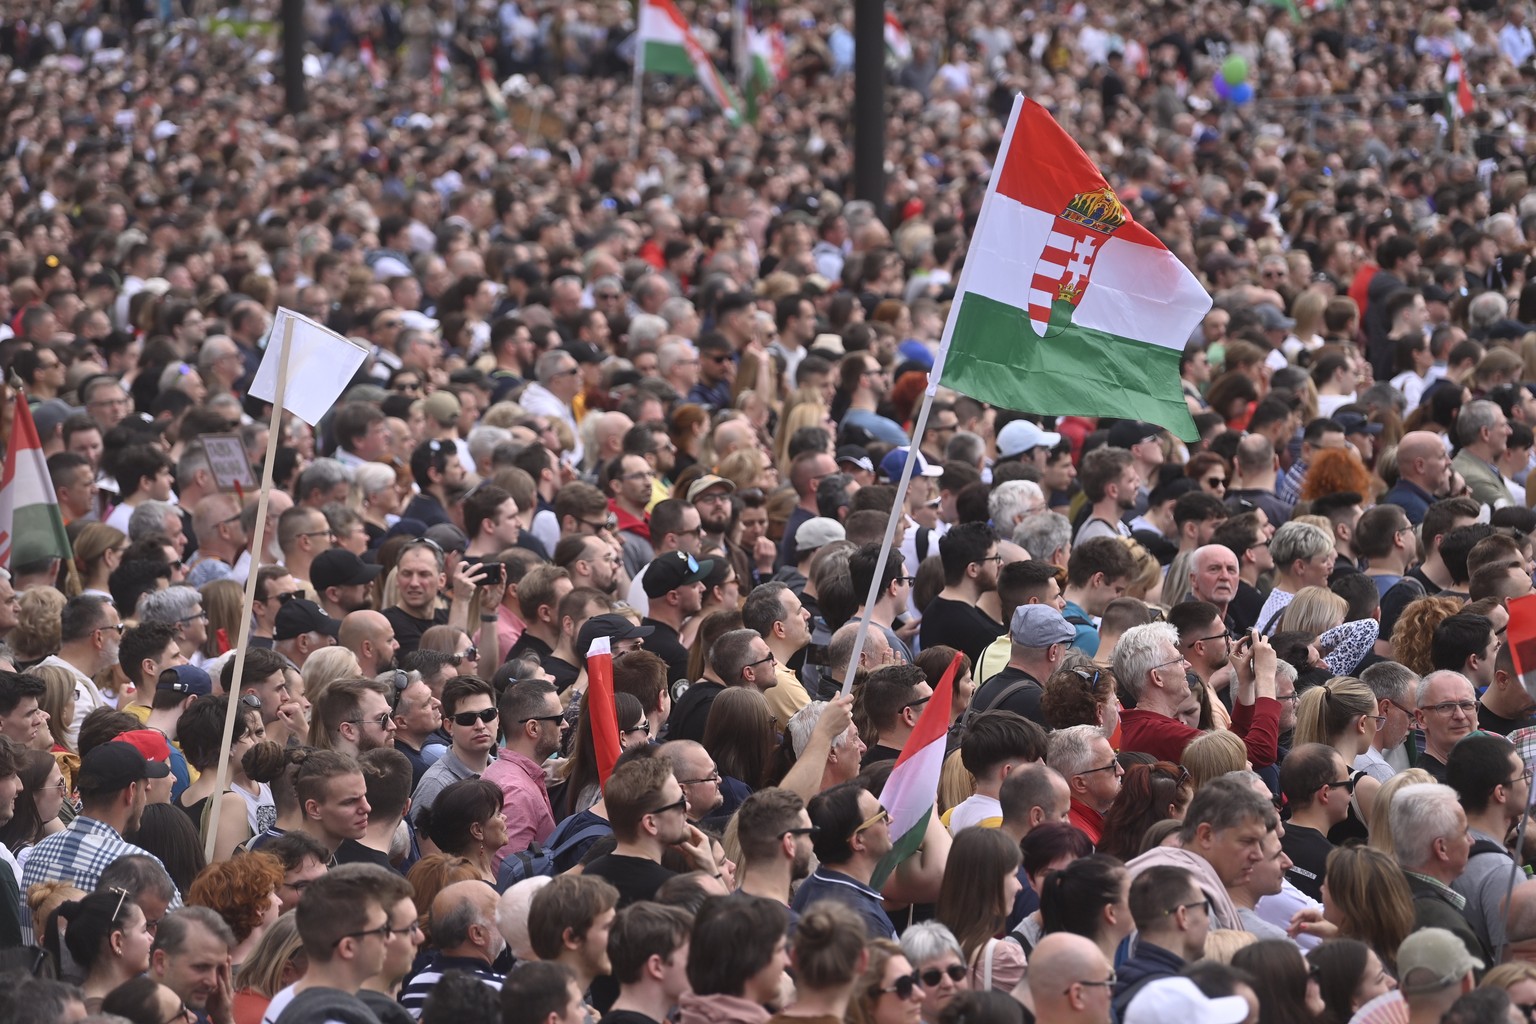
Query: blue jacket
[1150,963]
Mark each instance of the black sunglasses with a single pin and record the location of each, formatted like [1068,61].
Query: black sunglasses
[903,987]
[469,718]
[933,975]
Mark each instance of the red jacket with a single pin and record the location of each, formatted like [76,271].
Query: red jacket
[1087,821]
[1165,738]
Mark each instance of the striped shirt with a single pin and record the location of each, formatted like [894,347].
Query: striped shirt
[413,994]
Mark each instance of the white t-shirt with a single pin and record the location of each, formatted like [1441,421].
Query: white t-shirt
[278,1004]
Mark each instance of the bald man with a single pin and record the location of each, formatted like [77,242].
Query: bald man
[370,636]
[733,435]
[1067,981]
[465,938]
[608,435]
[1422,469]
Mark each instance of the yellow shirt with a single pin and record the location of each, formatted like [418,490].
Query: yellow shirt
[993,660]
[786,696]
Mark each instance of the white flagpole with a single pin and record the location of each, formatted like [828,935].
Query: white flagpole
[635,120]
[274,429]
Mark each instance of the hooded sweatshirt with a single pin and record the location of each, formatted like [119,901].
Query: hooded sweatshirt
[1224,911]
[697,1009]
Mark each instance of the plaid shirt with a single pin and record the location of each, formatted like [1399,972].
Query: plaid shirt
[1288,489]
[78,855]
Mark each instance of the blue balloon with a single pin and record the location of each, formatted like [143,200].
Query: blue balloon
[1242,93]
[1222,86]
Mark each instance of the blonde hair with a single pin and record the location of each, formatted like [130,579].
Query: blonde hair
[60,683]
[1214,754]
[1146,571]
[806,409]
[743,467]
[956,784]
[1327,711]
[46,897]
[1508,975]
[1220,945]
[324,667]
[1314,610]
[1380,828]
[37,624]
[262,971]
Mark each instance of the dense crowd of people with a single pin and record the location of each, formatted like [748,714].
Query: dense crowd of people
[1236,728]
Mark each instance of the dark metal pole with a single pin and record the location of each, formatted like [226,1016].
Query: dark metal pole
[293,55]
[869,102]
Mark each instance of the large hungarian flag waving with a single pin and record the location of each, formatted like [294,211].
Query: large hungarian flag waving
[913,787]
[666,44]
[31,527]
[1066,305]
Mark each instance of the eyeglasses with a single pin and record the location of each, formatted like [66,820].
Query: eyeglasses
[469,718]
[1348,785]
[1203,904]
[1091,681]
[122,897]
[1524,776]
[119,626]
[383,931]
[809,830]
[285,598]
[1107,983]
[680,805]
[903,987]
[882,816]
[611,523]
[1450,707]
[539,718]
[909,580]
[990,558]
[470,654]
[1224,635]
[1182,778]
[713,776]
[1380,720]
[381,720]
[249,700]
[917,703]
[1113,766]
[410,929]
[180,1016]
[644,727]
[934,975]
[1180,660]
[1400,707]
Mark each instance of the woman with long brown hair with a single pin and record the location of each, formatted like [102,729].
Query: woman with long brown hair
[1149,793]
[739,734]
[99,550]
[981,879]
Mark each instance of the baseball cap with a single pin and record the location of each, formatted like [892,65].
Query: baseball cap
[666,573]
[189,680]
[896,458]
[297,617]
[339,567]
[448,537]
[111,768]
[1354,423]
[1430,959]
[1272,318]
[1167,999]
[1128,433]
[1037,626]
[818,532]
[856,455]
[707,481]
[584,352]
[152,744]
[614,627]
[49,413]
[1019,436]
[441,406]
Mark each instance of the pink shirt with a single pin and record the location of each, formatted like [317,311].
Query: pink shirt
[524,801]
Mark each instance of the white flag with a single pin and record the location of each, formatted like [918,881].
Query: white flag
[320,367]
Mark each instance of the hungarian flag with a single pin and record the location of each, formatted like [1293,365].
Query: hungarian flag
[1458,91]
[370,62]
[666,45]
[912,790]
[898,48]
[493,93]
[1521,637]
[31,526]
[440,69]
[765,66]
[600,708]
[1066,305]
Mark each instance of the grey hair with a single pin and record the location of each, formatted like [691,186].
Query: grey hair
[803,723]
[1286,669]
[965,447]
[176,928]
[451,928]
[323,474]
[929,940]
[1424,684]
[551,363]
[372,478]
[483,440]
[1420,813]
[1041,533]
[1486,309]
[1223,803]
[149,518]
[1139,651]
[1071,749]
[1474,418]
[170,605]
[670,353]
[1391,680]
[1014,498]
[1298,541]
[644,329]
[675,310]
[730,653]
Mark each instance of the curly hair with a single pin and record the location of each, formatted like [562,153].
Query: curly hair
[1146,794]
[238,890]
[1416,627]
[1334,471]
[37,632]
[1074,697]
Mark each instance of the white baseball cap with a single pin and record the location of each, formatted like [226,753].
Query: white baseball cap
[1019,436]
[1177,999]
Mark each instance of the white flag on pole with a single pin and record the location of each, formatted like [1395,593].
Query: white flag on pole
[320,366]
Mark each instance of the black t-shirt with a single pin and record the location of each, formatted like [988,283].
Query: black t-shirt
[1487,721]
[627,1017]
[1308,849]
[665,645]
[880,752]
[1245,606]
[1432,764]
[691,711]
[353,852]
[408,628]
[960,625]
[527,643]
[1024,700]
[636,878]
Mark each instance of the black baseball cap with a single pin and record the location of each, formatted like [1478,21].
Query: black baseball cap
[667,572]
[113,767]
[612,626]
[339,567]
[297,617]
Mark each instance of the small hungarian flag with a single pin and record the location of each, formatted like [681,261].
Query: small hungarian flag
[493,94]
[911,791]
[1521,637]
[440,69]
[898,48]
[370,62]
[765,67]
[1458,91]
[600,708]
[31,526]
[666,45]
[1066,305]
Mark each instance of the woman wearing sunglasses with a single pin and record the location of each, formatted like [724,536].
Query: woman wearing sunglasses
[109,938]
[889,991]
[940,964]
[454,642]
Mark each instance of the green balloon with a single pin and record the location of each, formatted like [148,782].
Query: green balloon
[1235,69]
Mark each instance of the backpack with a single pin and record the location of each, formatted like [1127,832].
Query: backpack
[536,860]
[1001,698]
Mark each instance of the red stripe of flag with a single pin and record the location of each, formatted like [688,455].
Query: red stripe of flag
[600,708]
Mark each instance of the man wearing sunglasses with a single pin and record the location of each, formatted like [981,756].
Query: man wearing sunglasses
[470,719]
[853,832]
[894,698]
[775,832]
[530,717]
[1317,787]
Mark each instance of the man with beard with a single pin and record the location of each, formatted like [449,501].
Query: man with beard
[674,582]
[1110,483]
[420,573]
[591,563]
[711,495]
[971,564]
[191,958]
[774,831]
[530,724]
[342,582]
[648,812]
[370,636]
[464,938]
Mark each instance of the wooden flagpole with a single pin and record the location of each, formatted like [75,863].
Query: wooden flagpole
[273,432]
